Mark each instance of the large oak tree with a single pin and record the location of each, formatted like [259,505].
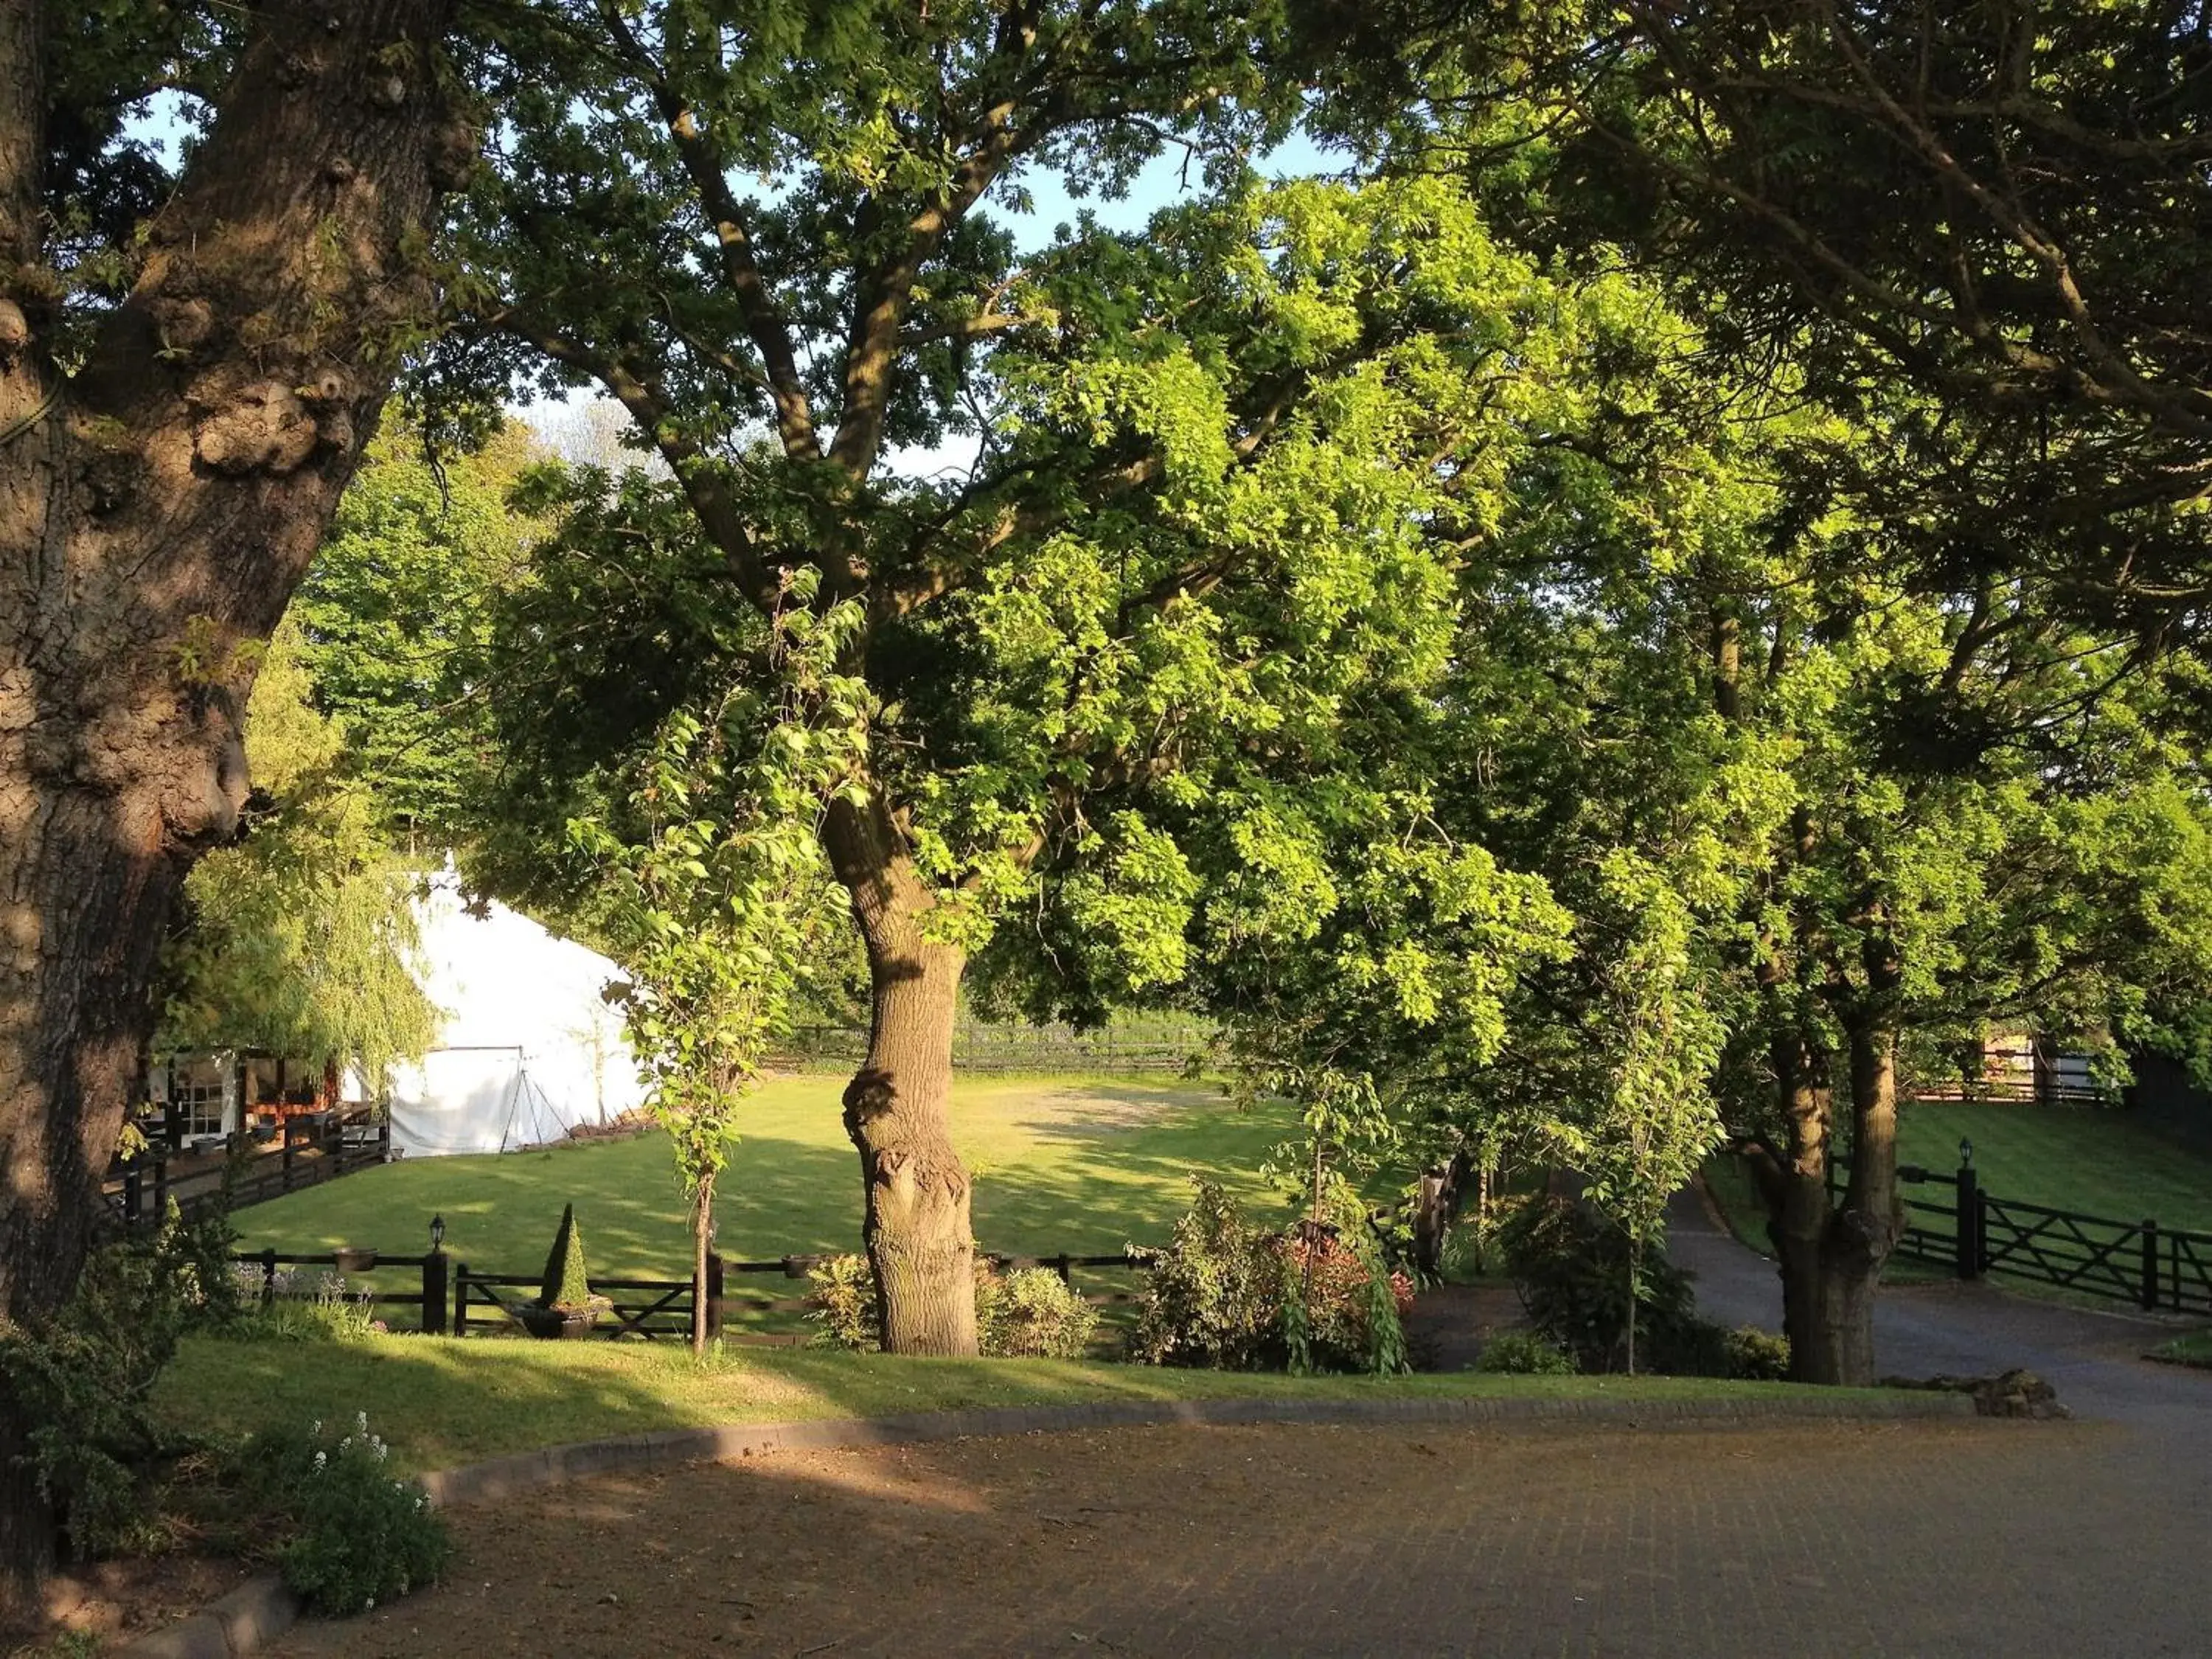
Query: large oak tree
[188,365]
[757,227]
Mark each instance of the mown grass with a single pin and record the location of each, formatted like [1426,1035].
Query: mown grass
[1082,1165]
[2101,1162]
[443,1403]
[2191,1348]
[2096,1162]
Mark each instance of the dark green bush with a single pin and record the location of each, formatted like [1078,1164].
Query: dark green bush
[1756,1356]
[351,1535]
[1524,1354]
[81,1379]
[1215,1295]
[1570,1263]
[1233,1296]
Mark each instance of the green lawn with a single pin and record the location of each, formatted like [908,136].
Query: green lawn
[2102,1162]
[1083,1165]
[2191,1348]
[442,1403]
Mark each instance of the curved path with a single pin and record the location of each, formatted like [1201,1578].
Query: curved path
[2092,1358]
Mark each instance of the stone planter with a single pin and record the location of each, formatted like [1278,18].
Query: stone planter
[556,1324]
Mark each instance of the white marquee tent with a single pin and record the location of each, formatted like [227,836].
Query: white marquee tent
[529,1048]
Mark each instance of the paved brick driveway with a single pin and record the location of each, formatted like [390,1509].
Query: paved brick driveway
[1837,1539]
[1773,1539]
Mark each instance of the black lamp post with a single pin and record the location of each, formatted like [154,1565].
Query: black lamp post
[1965,1153]
[433,1281]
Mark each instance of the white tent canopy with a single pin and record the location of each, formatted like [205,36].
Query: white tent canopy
[529,1048]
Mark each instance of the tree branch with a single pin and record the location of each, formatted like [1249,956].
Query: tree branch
[2185,409]
[698,474]
[882,297]
[765,324]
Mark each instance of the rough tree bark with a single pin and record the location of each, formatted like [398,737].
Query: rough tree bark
[1830,1254]
[917,1229]
[155,513]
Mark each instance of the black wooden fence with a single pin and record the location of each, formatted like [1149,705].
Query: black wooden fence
[306,1151]
[1977,1233]
[1161,1044]
[430,1302]
[457,1297]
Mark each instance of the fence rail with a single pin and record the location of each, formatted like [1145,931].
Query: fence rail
[430,1299]
[1978,1233]
[139,1189]
[456,1296]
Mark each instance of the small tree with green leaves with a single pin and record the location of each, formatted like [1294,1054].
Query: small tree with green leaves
[1644,1118]
[720,891]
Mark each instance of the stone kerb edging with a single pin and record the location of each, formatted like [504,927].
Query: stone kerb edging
[258,1611]
[262,1608]
[504,1477]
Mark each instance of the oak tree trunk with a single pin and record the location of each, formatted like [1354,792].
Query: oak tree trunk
[155,513]
[916,1229]
[1831,1254]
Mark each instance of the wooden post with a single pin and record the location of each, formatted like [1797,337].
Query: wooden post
[131,1196]
[384,1139]
[2149,1295]
[714,1295]
[286,1157]
[1063,1267]
[1968,1223]
[434,1293]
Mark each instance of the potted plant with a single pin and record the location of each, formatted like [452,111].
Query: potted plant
[565,1309]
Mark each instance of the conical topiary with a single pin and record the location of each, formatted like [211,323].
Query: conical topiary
[566,1283]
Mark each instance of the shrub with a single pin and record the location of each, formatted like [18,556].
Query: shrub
[1216,1296]
[567,1285]
[1350,1307]
[311,1310]
[351,1535]
[1037,1315]
[1235,1297]
[1524,1354]
[1570,1263]
[843,1302]
[1756,1356]
[81,1379]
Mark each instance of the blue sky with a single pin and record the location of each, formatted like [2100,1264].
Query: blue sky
[1162,182]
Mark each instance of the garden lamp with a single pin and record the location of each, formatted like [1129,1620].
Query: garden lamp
[1966,1151]
[437,1232]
